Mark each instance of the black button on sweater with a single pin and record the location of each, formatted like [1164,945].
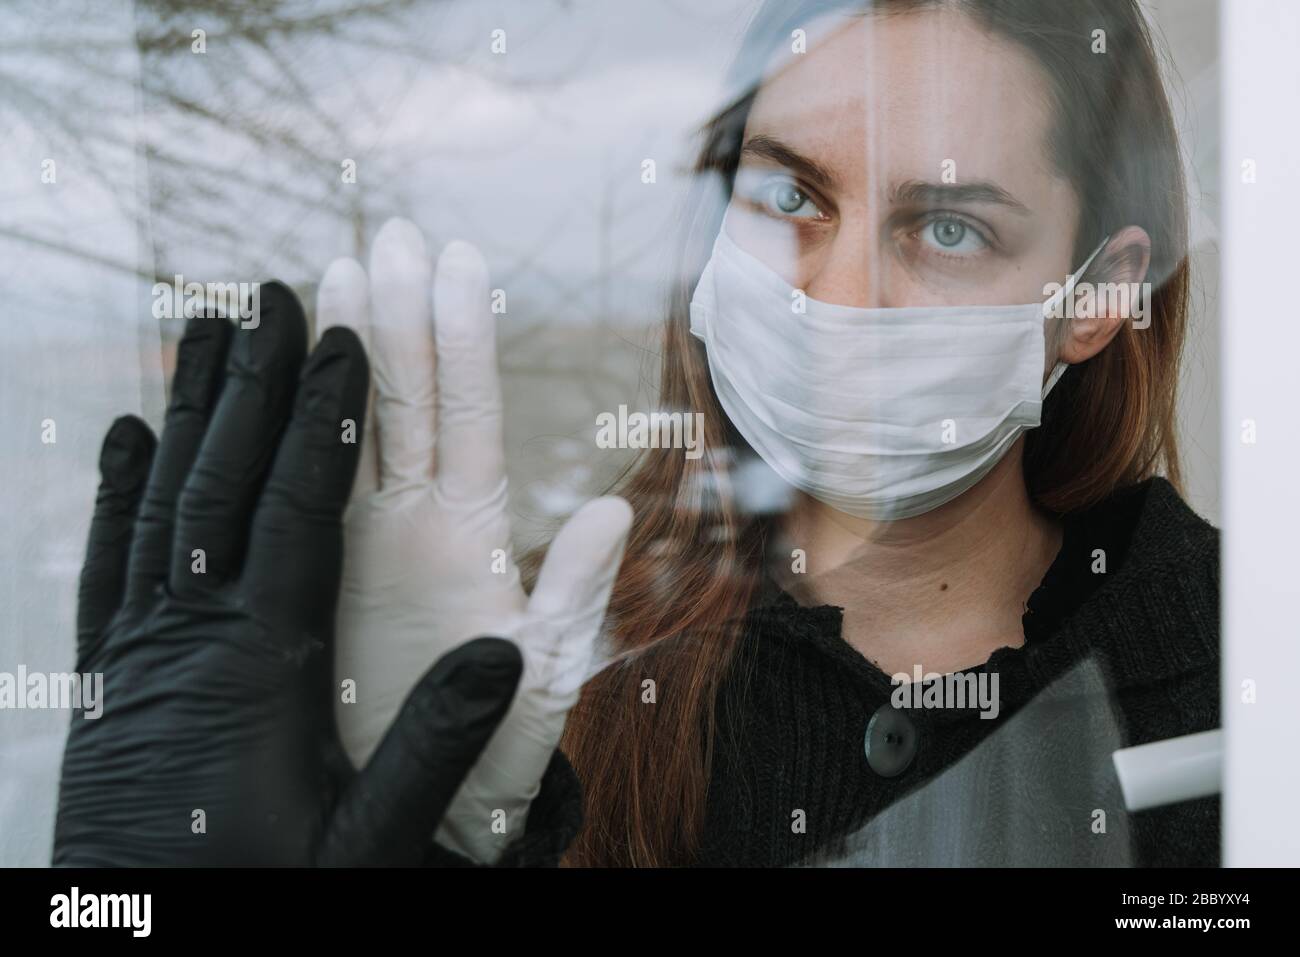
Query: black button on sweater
[1110,660]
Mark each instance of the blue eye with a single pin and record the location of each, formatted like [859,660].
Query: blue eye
[788,198]
[948,232]
[784,198]
[949,235]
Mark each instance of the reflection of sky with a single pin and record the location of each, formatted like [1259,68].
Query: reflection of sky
[535,155]
[521,153]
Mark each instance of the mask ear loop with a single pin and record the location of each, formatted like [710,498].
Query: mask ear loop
[1065,293]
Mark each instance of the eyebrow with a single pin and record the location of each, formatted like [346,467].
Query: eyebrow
[916,193]
[910,193]
[769,147]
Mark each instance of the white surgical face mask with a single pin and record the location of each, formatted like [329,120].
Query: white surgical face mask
[879,413]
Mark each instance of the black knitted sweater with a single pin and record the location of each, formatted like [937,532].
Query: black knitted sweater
[1110,660]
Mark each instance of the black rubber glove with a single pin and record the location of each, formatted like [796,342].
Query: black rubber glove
[207,601]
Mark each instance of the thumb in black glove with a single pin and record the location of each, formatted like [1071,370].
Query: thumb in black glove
[207,601]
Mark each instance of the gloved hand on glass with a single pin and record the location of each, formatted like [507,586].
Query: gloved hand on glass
[208,601]
[429,557]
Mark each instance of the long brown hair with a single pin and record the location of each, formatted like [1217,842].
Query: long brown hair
[694,557]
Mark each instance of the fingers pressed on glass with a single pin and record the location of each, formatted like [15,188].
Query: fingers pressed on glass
[471,457]
[393,807]
[295,552]
[401,333]
[568,602]
[220,492]
[343,299]
[200,372]
[124,461]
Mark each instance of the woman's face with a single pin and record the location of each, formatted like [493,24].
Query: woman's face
[904,161]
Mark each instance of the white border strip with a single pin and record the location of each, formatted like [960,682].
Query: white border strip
[1261,368]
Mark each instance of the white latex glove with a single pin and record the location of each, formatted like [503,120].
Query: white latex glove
[429,563]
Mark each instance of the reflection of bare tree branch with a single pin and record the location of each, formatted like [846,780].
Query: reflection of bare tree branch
[73,139]
[256,90]
[242,146]
[261,18]
[196,171]
[86,255]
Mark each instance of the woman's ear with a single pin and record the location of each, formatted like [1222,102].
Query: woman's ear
[1108,295]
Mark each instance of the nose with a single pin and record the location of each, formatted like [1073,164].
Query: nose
[846,270]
